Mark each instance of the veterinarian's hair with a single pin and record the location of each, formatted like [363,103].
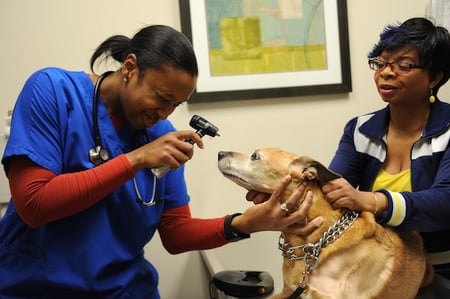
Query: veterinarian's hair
[432,43]
[155,47]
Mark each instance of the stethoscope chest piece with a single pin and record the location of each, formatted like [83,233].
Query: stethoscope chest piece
[98,155]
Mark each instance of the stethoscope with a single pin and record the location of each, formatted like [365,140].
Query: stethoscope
[98,154]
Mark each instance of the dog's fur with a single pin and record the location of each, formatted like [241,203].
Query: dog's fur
[367,261]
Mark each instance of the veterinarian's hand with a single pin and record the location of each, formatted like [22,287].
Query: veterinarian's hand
[268,215]
[341,194]
[170,149]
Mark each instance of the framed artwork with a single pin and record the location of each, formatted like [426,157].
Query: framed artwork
[440,12]
[249,49]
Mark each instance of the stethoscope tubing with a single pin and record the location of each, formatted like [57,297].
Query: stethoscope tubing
[99,147]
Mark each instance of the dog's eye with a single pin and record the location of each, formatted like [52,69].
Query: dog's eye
[254,156]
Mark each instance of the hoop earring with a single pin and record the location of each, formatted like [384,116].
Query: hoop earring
[432,98]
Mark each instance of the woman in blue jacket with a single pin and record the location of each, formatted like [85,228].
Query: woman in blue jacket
[395,162]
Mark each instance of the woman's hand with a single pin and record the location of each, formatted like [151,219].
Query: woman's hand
[170,149]
[341,194]
[268,215]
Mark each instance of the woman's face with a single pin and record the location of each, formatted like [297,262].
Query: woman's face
[396,87]
[154,97]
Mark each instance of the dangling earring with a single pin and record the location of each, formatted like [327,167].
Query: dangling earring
[125,79]
[431,99]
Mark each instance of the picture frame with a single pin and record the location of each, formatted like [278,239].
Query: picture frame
[331,75]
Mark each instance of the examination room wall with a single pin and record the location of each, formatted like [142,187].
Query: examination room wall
[40,33]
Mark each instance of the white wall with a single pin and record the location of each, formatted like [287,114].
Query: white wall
[40,33]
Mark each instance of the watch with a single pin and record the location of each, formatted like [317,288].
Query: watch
[230,234]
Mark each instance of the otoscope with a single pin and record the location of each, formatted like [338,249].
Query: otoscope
[203,128]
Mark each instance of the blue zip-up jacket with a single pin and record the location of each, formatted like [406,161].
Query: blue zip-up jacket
[361,154]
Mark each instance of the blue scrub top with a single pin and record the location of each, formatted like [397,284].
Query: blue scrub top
[97,253]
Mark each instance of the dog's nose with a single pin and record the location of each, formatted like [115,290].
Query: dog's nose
[221,155]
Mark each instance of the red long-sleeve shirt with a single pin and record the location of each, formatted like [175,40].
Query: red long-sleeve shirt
[40,196]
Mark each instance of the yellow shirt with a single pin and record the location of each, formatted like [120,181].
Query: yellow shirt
[394,182]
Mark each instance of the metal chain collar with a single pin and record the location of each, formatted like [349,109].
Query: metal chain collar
[310,251]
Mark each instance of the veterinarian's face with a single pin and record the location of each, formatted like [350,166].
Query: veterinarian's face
[397,87]
[149,99]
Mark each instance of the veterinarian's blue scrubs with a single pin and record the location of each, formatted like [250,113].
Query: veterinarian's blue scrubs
[97,253]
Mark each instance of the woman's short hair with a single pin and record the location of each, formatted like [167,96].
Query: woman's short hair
[431,42]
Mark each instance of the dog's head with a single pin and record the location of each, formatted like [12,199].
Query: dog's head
[264,169]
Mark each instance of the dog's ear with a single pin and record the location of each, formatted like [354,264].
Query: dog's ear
[323,173]
[310,170]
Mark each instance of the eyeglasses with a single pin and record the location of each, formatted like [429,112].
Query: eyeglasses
[398,67]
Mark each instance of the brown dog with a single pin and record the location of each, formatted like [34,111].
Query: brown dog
[349,255]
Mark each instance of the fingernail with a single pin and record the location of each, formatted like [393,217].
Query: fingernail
[316,222]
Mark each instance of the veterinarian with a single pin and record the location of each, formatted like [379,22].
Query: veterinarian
[395,162]
[84,198]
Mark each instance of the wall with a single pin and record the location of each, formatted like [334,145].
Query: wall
[40,33]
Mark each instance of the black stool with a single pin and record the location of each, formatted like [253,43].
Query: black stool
[243,284]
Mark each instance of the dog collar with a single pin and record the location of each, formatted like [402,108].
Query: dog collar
[309,252]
